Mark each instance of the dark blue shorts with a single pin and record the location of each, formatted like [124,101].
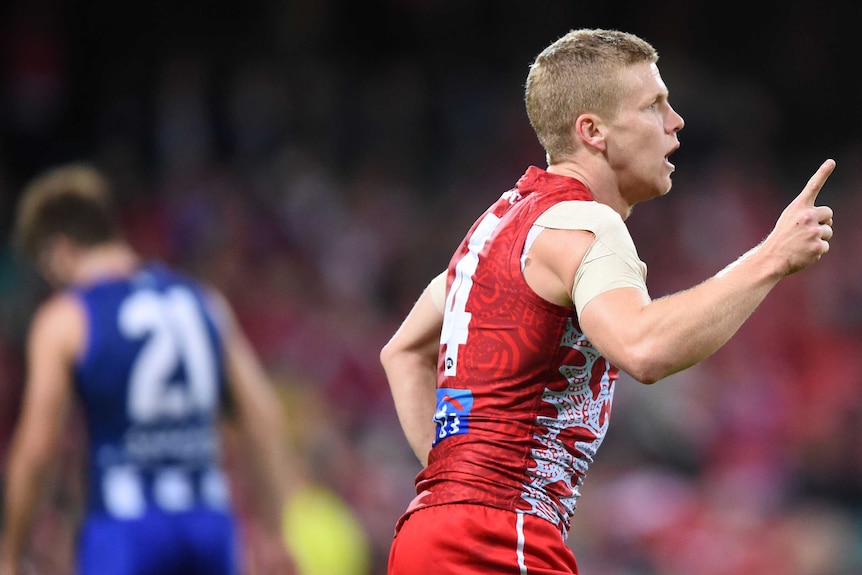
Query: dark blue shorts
[196,542]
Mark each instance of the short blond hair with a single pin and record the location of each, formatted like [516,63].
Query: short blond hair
[73,200]
[577,74]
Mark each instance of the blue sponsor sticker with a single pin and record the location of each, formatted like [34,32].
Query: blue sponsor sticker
[453,411]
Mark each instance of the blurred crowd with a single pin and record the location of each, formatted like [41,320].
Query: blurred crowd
[321,176]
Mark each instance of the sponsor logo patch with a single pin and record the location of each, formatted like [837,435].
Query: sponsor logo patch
[453,412]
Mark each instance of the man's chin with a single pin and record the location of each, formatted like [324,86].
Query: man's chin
[667,187]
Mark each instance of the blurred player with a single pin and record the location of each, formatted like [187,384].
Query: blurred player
[503,372]
[155,359]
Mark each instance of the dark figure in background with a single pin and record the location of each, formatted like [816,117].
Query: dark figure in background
[156,360]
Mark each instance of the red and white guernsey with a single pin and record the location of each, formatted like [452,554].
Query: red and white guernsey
[523,398]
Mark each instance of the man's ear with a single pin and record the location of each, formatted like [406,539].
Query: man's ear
[57,259]
[64,247]
[590,129]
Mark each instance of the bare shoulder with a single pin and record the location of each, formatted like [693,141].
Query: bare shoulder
[60,310]
[59,323]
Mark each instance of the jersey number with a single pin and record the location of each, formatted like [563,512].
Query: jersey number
[456,319]
[175,336]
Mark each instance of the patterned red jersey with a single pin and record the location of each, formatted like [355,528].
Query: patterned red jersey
[523,398]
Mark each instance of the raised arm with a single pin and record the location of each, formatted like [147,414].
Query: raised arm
[653,339]
[55,337]
[410,362]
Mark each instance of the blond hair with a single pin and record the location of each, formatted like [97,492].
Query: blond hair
[579,73]
[73,200]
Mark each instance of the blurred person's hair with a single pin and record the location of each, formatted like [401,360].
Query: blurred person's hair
[579,73]
[73,200]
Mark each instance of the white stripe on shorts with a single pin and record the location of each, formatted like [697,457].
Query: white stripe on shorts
[519,527]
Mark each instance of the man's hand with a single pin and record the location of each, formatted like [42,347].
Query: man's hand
[802,233]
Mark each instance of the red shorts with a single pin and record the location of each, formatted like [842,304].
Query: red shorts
[474,539]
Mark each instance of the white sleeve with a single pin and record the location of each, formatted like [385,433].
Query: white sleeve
[611,261]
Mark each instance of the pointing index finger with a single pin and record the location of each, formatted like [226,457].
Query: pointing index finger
[815,183]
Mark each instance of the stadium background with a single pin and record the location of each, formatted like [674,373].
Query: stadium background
[320,160]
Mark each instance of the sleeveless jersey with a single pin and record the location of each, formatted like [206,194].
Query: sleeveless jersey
[151,381]
[523,398]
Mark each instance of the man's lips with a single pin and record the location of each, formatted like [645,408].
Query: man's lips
[666,160]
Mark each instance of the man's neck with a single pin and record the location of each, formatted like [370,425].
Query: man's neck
[112,260]
[603,187]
